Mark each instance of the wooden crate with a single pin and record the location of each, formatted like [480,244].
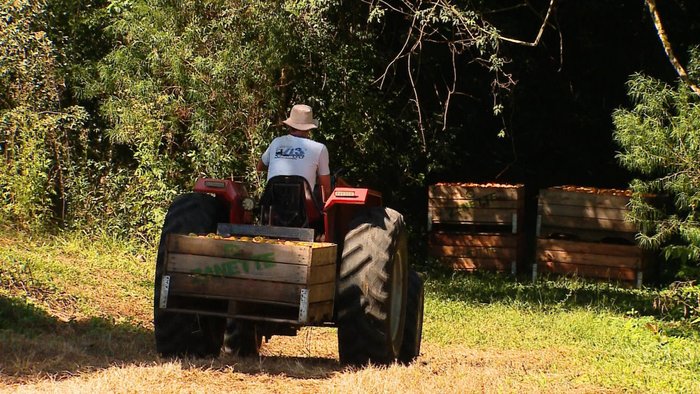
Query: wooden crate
[278,281]
[472,252]
[584,213]
[623,263]
[476,204]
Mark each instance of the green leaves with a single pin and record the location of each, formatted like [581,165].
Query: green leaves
[660,139]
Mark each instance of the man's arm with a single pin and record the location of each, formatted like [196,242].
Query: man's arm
[261,166]
[323,168]
[325,182]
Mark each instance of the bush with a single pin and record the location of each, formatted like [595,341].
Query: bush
[681,301]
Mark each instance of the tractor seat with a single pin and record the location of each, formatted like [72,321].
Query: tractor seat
[288,201]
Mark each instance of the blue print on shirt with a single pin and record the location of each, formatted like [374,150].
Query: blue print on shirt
[286,152]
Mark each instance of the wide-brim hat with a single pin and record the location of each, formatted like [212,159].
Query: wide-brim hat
[301,117]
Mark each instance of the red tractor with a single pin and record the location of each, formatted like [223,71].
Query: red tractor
[223,282]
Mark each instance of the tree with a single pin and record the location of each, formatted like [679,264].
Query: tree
[660,138]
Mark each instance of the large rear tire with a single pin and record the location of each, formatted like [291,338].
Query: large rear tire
[180,334]
[413,330]
[371,296]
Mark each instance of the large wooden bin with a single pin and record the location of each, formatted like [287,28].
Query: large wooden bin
[254,278]
[476,226]
[583,231]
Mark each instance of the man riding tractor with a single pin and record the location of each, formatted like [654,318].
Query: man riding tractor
[248,282]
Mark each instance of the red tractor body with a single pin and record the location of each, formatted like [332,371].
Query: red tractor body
[338,211]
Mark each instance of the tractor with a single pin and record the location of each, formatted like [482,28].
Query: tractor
[231,273]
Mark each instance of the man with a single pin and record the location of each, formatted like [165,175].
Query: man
[296,154]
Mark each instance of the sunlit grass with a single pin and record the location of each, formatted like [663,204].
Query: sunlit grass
[82,276]
[597,327]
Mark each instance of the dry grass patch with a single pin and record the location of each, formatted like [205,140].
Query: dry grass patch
[439,370]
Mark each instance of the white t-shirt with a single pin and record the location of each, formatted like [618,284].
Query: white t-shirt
[290,155]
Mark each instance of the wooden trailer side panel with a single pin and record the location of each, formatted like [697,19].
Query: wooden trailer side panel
[299,275]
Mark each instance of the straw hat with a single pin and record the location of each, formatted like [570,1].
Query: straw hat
[301,117]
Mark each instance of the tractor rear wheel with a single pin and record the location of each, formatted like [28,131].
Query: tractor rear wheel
[180,334]
[413,330]
[371,296]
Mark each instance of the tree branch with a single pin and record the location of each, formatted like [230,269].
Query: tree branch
[651,4]
[539,34]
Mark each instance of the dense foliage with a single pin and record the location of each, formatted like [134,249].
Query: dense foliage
[111,108]
[42,142]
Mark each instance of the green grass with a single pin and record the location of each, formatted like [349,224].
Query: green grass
[87,301]
[74,271]
[596,327]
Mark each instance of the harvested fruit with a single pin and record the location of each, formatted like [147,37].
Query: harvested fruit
[260,240]
[470,184]
[595,190]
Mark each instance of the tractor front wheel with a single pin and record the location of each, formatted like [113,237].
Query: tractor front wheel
[371,296]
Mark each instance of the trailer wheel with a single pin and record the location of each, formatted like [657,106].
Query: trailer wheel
[413,330]
[241,338]
[371,296]
[180,334]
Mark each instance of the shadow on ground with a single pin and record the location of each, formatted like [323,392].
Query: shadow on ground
[35,345]
[545,293]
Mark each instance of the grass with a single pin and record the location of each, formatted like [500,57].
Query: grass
[596,327]
[75,316]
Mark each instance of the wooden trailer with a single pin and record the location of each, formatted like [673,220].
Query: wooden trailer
[250,277]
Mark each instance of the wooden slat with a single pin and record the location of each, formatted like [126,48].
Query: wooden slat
[587,234]
[321,292]
[475,252]
[237,268]
[587,271]
[589,247]
[582,211]
[475,204]
[452,215]
[589,259]
[291,254]
[476,240]
[565,197]
[324,255]
[321,274]
[301,234]
[589,253]
[588,223]
[247,317]
[475,192]
[233,288]
[474,264]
